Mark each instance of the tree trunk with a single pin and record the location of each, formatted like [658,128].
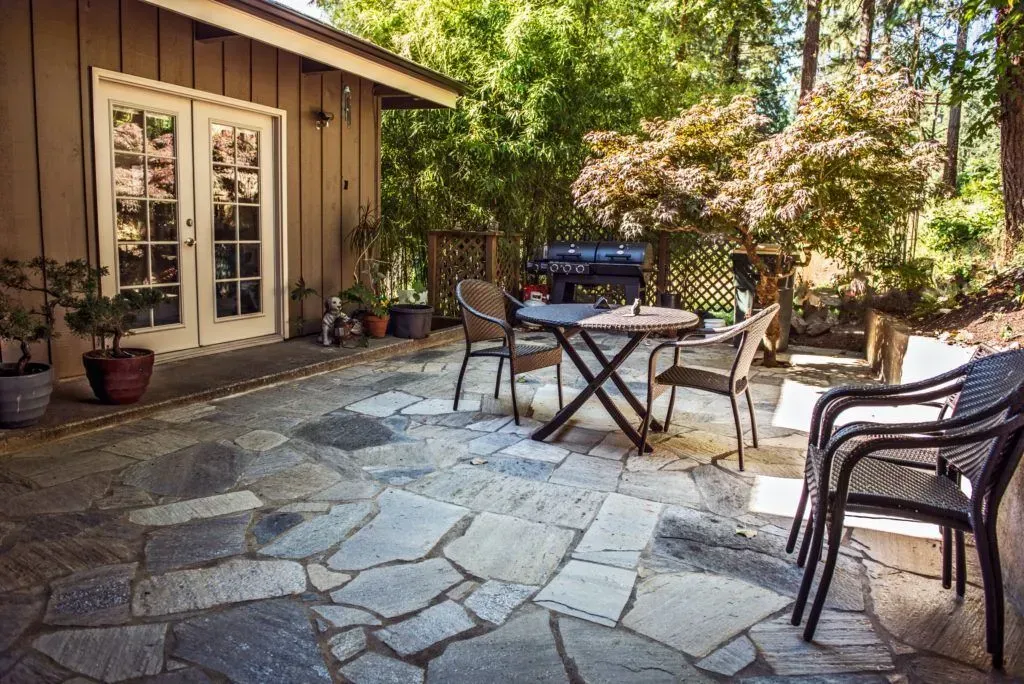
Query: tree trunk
[812,36]
[767,294]
[1011,129]
[867,30]
[949,172]
[732,54]
[886,8]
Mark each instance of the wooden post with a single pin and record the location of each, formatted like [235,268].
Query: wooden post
[432,269]
[491,257]
[663,261]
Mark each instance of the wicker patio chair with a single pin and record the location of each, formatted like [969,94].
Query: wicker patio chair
[485,319]
[750,331]
[859,468]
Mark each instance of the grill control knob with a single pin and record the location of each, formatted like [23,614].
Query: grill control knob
[580,268]
[566,268]
[553,268]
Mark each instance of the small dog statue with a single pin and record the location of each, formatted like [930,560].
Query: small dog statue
[332,314]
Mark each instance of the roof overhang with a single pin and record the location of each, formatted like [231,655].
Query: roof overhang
[407,84]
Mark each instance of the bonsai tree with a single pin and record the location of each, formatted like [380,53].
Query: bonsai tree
[102,317]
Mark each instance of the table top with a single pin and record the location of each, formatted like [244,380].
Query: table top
[651,318]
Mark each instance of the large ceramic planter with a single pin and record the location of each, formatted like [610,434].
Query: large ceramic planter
[24,398]
[411,321]
[120,380]
[376,326]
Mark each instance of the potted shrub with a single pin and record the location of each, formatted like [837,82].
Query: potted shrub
[376,308]
[117,375]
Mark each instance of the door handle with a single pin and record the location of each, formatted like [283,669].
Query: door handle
[190,242]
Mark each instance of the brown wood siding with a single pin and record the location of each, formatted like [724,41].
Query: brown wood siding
[47,189]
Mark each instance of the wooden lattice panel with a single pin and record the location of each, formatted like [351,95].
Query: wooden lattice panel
[459,256]
[700,272]
[511,263]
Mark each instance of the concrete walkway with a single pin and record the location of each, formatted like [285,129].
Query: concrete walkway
[351,527]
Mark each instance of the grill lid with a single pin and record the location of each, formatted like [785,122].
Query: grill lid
[572,251]
[636,253]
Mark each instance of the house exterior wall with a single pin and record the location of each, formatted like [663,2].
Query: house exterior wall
[47,189]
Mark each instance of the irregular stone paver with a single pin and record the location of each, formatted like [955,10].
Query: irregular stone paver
[323,579]
[522,650]
[843,642]
[426,628]
[188,675]
[694,613]
[614,446]
[506,548]
[490,425]
[666,487]
[298,482]
[186,414]
[491,442]
[32,667]
[99,596]
[260,440]
[121,496]
[111,654]
[731,658]
[614,656]
[620,532]
[481,490]
[35,562]
[588,472]
[273,525]
[320,533]
[207,507]
[399,476]
[374,668]
[18,610]
[437,407]
[197,470]
[383,404]
[305,507]
[462,591]
[399,589]
[349,490]
[147,446]
[341,616]
[590,591]
[345,431]
[406,528]
[347,645]
[230,582]
[267,463]
[494,601]
[69,497]
[536,451]
[269,641]
[47,471]
[518,467]
[723,493]
[196,542]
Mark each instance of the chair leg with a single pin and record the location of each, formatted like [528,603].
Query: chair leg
[798,518]
[947,557]
[753,421]
[998,608]
[497,381]
[961,564]
[558,376]
[805,543]
[671,407]
[515,402]
[458,385]
[835,540]
[816,538]
[988,578]
[739,427]
[647,419]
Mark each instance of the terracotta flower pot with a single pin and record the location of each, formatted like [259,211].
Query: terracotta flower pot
[119,380]
[376,326]
[24,398]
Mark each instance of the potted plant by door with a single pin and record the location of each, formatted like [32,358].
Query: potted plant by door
[376,308]
[411,314]
[118,375]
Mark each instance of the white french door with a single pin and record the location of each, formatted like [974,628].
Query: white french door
[187,204]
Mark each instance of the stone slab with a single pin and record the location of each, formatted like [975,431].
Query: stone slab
[399,589]
[348,644]
[621,531]
[437,407]
[267,463]
[230,582]
[491,442]
[349,490]
[669,487]
[295,483]
[615,446]
[843,642]
[426,628]
[536,451]
[99,596]
[695,612]
[145,447]
[323,579]
[345,431]
[373,668]
[32,667]
[260,440]
[274,525]
[494,601]
[342,616]
[111,654]
[69,497]
[196,542]
[18,611]
[54,469]
[588,472]
[510,549]
[319,533]
[590,591]
[518,467]
[36,562]
[198,470]
[207,507]
[489,424]
[731,658]
[269,641]
[384,404]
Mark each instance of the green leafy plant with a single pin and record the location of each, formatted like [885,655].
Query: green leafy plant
[100,317]
[299,292]
[369,301]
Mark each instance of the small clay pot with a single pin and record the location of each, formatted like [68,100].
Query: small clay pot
[119,380]
[24,398]
[376,326]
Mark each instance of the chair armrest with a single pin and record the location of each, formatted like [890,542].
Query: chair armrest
[515,302]
[510,339]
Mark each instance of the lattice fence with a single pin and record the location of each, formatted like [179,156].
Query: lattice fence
[699,270]
[457,255]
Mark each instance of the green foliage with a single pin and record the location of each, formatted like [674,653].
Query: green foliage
[97,316]
[372,302]
[299,292]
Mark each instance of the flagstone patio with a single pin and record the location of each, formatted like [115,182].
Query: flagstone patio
[351,527]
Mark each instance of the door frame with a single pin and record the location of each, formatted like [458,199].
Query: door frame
[102,164]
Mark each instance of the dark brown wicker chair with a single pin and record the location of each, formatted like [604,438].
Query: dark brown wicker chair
[485,319]
[750,331]
[862,468]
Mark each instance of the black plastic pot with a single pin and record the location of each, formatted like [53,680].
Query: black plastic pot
[24,398]
[411,321]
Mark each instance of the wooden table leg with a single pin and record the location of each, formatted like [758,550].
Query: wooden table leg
[627,393]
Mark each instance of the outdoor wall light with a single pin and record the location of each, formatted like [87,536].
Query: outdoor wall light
[346,106]
[323,120]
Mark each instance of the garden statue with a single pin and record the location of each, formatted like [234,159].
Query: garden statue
[332,316]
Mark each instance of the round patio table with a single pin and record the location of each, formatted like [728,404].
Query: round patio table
[568,320]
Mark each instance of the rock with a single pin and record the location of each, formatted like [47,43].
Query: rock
[207,507]
[406,528]
[196,542]
[481,490]
[487,549]
[588,472]
[522,650]
[374,668]
[340,616]
[615,656]
[260,440]
[110,654]
[843,642]
[69,497]
[319,533]
[494,601]
[731,658]
[666,487]
[144,447]
[536,451]
[296,483]
[345,431]
[199,470]
[348,644]
[269,641]
[18,611]
[491,442]
[55,469]
[516,467]
[399,589]
[426,628]
[798,324]
[273,525]
[349,490]
[323,579]
[623,528]
[694,613]
[230,582]
[614,446]
[437,407]
[100,596]
[384,404]
[590,591]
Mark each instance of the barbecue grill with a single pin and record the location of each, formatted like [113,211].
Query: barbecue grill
[568,264]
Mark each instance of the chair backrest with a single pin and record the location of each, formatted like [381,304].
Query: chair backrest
[486,298]
[753,329]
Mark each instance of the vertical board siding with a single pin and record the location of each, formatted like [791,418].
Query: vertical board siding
[367,148]
[208,66]
[237,68]
[264,74]
[350,181]
[311,179]
[288,75]
[175,49]
[330,143]
[140,39]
